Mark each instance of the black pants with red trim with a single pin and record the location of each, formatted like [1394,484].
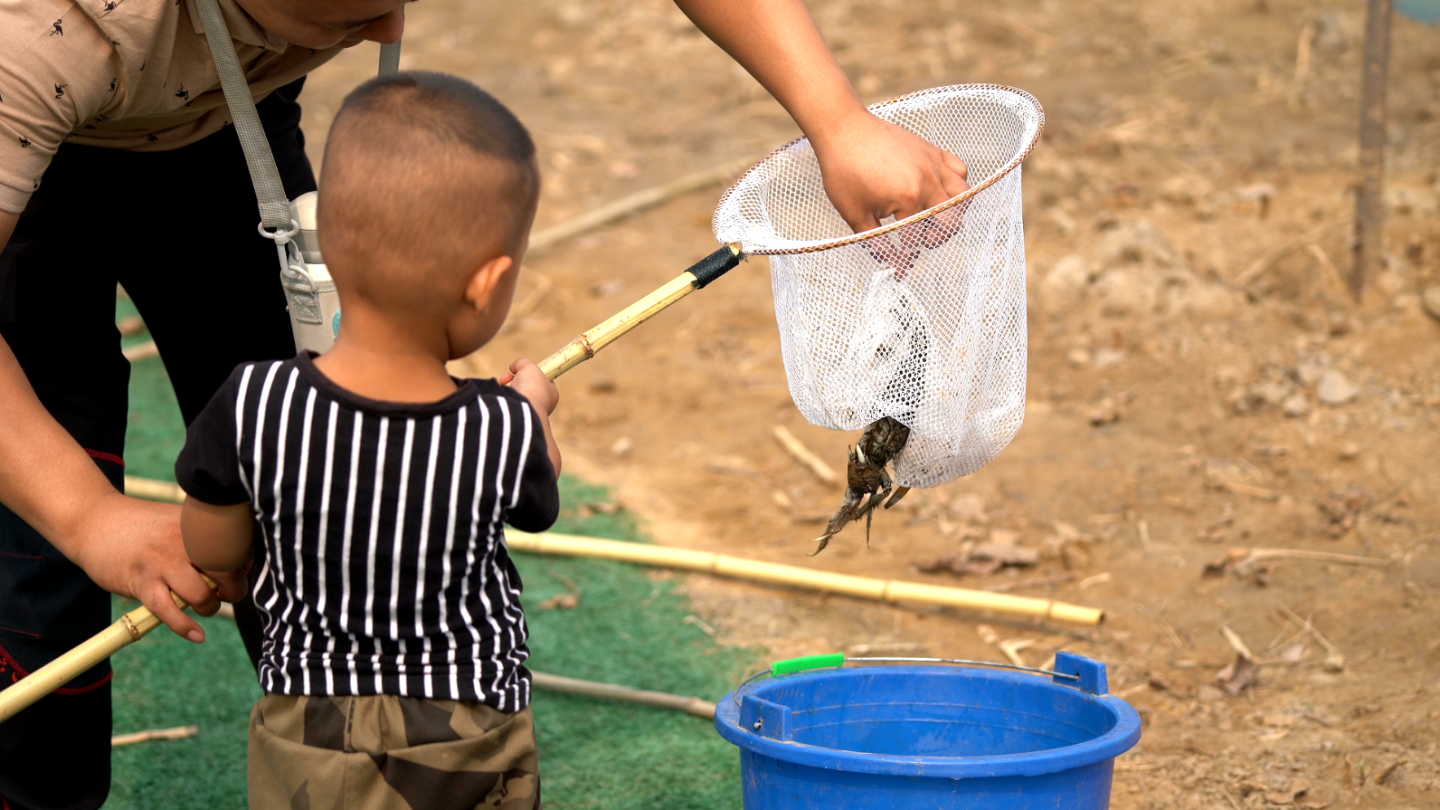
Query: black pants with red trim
[178,230]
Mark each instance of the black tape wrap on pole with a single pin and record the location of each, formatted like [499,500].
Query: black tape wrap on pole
[715,265]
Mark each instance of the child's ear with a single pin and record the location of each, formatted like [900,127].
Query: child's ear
[482,283]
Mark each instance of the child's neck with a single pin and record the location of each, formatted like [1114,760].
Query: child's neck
[379,361]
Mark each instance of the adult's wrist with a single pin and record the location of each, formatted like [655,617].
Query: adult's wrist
[829,124]
[838,126]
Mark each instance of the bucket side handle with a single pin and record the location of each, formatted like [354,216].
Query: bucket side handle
[760,716]
[1085,674]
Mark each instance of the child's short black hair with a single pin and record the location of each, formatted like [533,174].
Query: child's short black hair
[443,109]
[423,172]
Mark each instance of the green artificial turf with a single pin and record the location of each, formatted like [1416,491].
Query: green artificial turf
[628,629]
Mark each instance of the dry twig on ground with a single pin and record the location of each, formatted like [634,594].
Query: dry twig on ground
[804,455]
[177,733]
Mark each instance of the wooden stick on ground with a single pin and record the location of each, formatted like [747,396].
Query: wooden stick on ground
[882,590]
[1334,660]
[573,686]
[1033,582]
[804,455]
[1242,558]
[1010,647]
[177,733]
[546,238]
[551,683]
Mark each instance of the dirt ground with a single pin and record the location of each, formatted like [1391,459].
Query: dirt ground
[1199,380]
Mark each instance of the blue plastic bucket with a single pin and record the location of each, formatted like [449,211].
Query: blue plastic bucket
[933,737]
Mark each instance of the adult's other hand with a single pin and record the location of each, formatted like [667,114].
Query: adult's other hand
[873,169]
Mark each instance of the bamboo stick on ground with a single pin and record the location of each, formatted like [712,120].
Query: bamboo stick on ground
[141,351]
[882,590]
[152,490]
[573,686]
[559,683]
[177,733]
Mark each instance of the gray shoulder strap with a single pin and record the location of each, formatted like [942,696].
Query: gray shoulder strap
[390,58]
[274,205]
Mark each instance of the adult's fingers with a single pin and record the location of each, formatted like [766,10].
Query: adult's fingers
[233,585]
[190,586]
[954,179]
[861,221]
[157,598]
[958,166]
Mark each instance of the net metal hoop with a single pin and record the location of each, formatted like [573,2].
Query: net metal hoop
[879,110]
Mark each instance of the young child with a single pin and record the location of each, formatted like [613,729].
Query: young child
[394,640]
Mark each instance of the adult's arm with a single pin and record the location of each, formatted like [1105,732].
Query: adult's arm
[872,169]
[126,545]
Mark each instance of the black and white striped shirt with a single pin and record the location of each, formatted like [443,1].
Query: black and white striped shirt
[381,567]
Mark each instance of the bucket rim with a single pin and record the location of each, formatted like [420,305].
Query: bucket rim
[1121,737]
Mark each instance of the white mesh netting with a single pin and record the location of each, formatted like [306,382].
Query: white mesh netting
[921,320]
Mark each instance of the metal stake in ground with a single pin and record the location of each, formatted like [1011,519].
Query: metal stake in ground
[1370,202]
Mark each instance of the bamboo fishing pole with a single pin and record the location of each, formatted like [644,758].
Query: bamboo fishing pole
[587,343]
[129,629]
[134,625]
[880,590]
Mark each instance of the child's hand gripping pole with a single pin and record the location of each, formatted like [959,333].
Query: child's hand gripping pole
[587,343]
[129,629]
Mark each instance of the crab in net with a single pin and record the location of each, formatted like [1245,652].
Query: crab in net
[867,481]
[891,347]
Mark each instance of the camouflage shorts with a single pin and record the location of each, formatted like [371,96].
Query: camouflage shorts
[369,753]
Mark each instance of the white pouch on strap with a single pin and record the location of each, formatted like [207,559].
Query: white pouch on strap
[313,301]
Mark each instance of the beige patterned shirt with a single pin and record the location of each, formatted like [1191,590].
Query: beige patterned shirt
[123,74]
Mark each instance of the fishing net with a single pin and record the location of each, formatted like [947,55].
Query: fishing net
[922,319]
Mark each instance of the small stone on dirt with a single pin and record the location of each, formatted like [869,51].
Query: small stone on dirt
[605,288]
[1105,412]
[1105,358]
[968,506]
[1064,286]
[1269,392]
[1336,389]
[1309,372]
[622,446]
[1349,451]
[1296,405]
[1430,299]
